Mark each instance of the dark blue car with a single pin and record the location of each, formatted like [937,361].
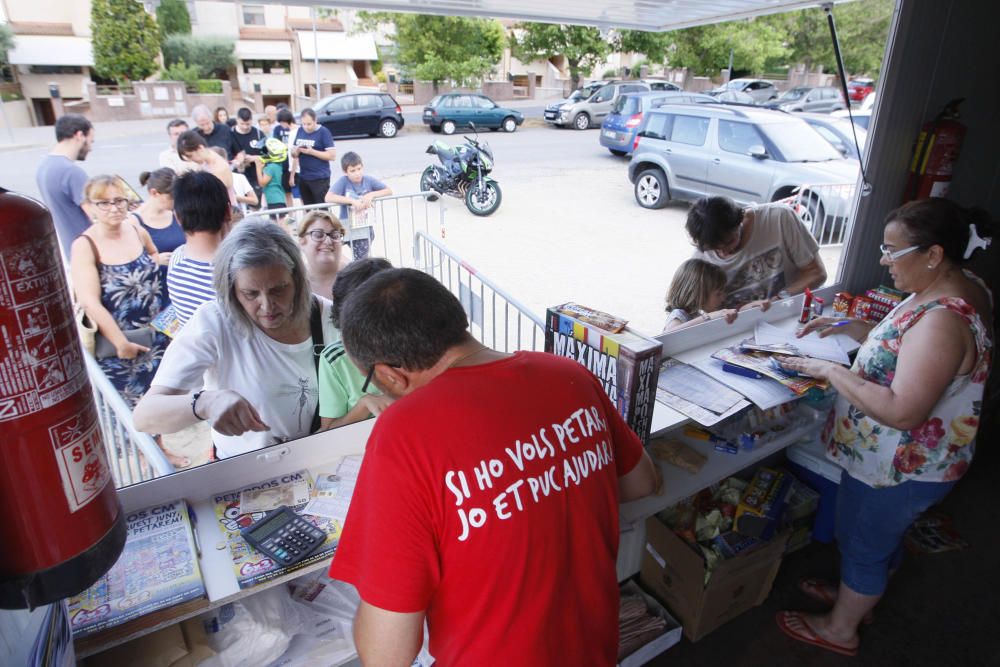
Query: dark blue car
[618,129]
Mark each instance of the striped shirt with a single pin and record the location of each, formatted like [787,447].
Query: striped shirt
[190,284]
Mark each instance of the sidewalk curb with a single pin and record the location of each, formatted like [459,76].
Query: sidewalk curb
[9,148]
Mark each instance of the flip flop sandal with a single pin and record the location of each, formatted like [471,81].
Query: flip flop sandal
[794,624]
[816,589]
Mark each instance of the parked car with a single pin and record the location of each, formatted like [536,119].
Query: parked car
[375,114]
[734,97]
[590,112]
[751,155]
[619,128]
[839,132]
[446,113]
[806,98]
[761,91]
[661,84]
[859,89]
[861,117]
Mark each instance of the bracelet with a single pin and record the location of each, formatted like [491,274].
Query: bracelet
[194,401]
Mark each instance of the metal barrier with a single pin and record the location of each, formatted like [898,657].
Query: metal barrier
[826,210]
[133,456]
[496,319]
[387,228]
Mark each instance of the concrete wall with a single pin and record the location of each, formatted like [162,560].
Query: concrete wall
[75,12]
[216,19]
[37,85]
[153,99]
[18,113]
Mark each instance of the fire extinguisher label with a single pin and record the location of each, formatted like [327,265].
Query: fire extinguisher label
[80,454]
[41,363]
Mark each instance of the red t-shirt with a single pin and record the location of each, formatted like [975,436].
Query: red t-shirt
[513,564]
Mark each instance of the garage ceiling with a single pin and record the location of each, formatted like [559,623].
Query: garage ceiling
[654,15]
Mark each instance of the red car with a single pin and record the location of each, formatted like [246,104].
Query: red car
[858,89]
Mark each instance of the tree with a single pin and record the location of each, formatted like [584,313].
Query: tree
[705,49]
[654,45]
[862,28]
[173,18]
[6,42]
[583,47]
[125,39]
[442,48]
[213,56]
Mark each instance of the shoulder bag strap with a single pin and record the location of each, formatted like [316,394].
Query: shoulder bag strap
[93,248]
[316,327]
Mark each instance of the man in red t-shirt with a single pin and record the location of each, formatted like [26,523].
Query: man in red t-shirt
[488,497]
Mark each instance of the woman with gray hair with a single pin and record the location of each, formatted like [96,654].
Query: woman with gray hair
[246,362]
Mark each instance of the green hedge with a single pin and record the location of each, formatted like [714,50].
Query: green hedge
[208,87]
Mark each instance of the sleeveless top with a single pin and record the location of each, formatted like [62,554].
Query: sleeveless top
[166,239]
[938,450]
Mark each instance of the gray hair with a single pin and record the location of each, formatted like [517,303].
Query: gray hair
[257,242]
[201,110]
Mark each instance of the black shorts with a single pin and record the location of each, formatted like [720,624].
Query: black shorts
[313,191]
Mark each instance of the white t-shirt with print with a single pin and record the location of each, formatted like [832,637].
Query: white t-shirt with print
[278,379]
[779,245]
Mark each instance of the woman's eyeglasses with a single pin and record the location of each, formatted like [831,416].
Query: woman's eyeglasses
[108,204]
[318,235]
[892,256]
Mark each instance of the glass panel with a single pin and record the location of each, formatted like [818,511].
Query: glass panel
[690,130]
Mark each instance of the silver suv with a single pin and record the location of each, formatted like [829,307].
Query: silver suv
[748,154]
[583,114]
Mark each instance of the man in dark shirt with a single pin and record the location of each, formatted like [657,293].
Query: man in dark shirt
[250,143]
[215,134]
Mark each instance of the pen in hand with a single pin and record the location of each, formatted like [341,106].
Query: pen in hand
[841,323]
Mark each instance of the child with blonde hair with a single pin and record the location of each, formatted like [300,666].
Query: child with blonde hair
[696,295]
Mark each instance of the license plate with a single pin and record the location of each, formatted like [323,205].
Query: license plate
[610,134]
[549,115]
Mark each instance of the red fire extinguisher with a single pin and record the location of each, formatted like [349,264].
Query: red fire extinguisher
[62,526]
[935,154]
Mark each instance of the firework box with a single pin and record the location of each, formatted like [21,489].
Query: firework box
[158,568]
[627,363]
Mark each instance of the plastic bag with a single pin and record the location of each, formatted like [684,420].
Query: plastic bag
[255,630]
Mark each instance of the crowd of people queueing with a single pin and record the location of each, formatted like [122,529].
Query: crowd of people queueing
[141,270]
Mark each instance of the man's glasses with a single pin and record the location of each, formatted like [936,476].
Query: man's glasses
[318,235]
[108,204]
[371,374]
[892,256]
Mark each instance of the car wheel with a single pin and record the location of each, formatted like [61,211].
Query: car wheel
[651,189]
[509,124]
[617,153]
[581,121]
[387,128]
[448,127]
[812,212]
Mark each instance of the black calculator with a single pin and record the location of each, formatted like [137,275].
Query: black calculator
[284,536]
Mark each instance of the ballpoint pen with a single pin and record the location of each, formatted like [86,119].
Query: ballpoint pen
[841,323]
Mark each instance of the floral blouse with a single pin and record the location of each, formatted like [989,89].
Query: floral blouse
[940,449]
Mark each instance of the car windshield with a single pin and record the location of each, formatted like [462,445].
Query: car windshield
[799,143]
[735,84]
[626,105]
[435,101]
[323,102]
[844,127]
[793,94]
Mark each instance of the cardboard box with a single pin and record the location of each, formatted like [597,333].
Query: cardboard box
[647,652]
[626,363]
[763,503]
[675,573]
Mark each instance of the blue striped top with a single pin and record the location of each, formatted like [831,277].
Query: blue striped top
[190,284]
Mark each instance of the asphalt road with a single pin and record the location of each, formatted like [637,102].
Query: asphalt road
[530,147]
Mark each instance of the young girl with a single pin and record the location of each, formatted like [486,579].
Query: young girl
[696,295]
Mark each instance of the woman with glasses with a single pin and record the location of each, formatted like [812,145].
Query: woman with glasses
[321,237]
[117,282]
[907,411]
[247,361]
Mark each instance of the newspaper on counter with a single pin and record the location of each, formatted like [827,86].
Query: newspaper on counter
[157,569]
[251,566]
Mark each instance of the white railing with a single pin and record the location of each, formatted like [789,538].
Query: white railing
[826,210]
[394,221]
[496,319]
[133,456]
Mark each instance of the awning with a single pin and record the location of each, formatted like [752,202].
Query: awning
[263,49]
[636,14]
[51,50]
[336,46]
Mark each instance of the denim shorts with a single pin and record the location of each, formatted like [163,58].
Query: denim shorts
[871,524]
